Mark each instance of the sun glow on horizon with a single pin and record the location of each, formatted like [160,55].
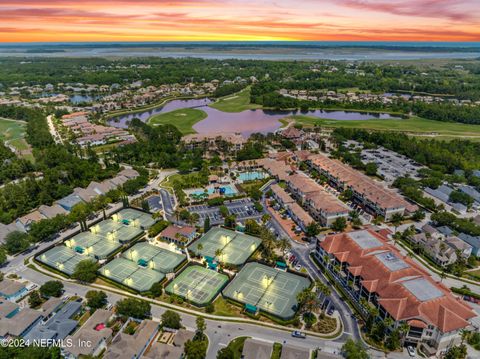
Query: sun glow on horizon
[235,20]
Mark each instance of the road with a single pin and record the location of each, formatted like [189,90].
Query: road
[218,336]
[17,263]
[53,131]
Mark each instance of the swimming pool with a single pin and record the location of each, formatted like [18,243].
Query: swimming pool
[226,190]
[251,176]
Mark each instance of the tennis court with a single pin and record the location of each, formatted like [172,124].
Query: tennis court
[63,259]
[268,289]
[93,245]
[198,285]
[116,231]
[235,247]
[134,217]
[154,257]
[130,274]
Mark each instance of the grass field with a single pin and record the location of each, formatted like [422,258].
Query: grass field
[11,130]
[183,119]
[414,125]
[237,102]
[13,133]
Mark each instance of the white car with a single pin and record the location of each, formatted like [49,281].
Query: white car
[298,267]
[411,351]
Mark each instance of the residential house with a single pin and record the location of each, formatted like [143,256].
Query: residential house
[52,211]
[163,351]
[58,326]
[69,201]
[459,246]
[95,332]
[12,290]
[18,322]
[182,336]
[256,349]
[290,351]
[25,222]
[132,346]
[438,250]
[473,241]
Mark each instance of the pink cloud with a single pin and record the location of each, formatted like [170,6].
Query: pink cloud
[456,10]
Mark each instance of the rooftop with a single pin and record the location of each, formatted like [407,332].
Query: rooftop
[10,287]
[256,349]
[369,188]
[365,239]
[404,289]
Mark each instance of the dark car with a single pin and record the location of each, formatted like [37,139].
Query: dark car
[298,334]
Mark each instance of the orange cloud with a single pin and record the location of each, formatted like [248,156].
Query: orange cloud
[181,20]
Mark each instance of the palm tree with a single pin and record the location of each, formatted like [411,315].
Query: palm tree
[396,220]
[284,244]
[443,275]
[323,288]
[396,237]
[218,253]
[177,214]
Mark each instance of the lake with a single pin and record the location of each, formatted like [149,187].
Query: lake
[245,122]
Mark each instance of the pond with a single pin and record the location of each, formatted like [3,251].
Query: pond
[245,122]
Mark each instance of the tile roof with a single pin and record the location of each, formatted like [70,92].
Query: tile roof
[281,194]
[406,292]
[173,230]
[372,190]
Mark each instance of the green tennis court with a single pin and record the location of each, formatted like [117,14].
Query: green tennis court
[93,245]
[154,257]
[198,285]
[116,231]
[130,274]
[235,247]
[63,259]
[268,289]
[134,217]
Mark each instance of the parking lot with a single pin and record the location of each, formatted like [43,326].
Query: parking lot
[155,203]
[242,208]
[391,165]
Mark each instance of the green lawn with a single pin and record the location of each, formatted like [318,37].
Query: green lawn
[414,125]
[237,346]
[277,351]
[11,130]
[183,119]
[237,102]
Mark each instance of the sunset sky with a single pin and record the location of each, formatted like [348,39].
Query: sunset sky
[195,20]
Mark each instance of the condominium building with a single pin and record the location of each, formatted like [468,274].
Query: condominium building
[213,141]
[322,206]
[372,195]
[373,271]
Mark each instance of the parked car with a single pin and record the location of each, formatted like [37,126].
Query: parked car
[298,267]
[298,334]
[411,351]
[330,310]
